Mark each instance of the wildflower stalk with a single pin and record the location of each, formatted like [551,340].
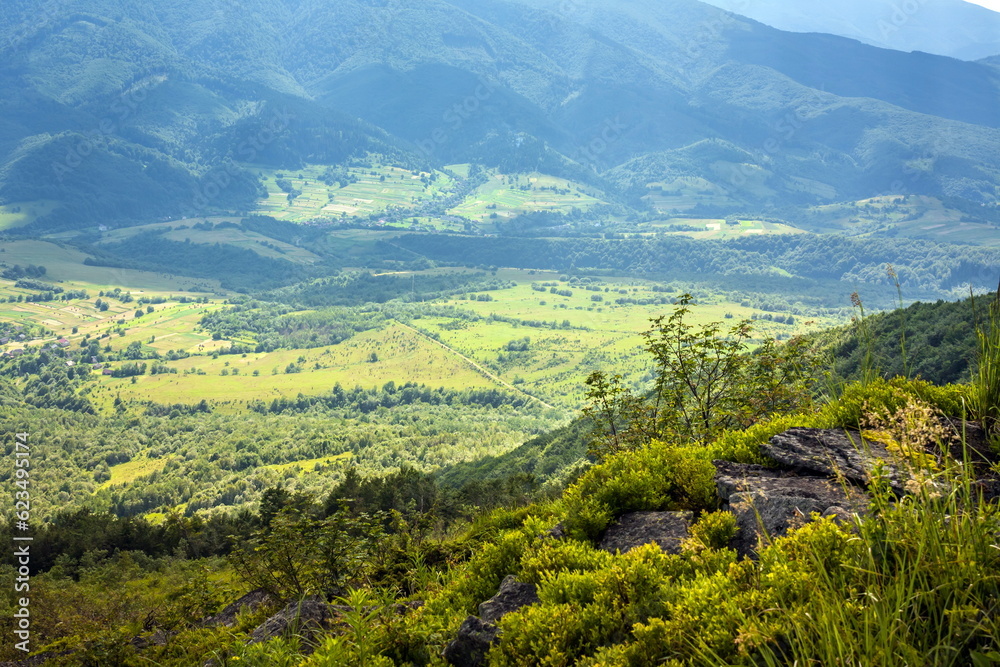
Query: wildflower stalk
[902,318]
[868,369]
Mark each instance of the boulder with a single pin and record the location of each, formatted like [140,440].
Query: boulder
[252,600]
[474,639]
[635,529]
[834,453]
[512,596]
[767,503]
[306,618]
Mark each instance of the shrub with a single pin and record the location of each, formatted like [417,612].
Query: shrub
[659,477]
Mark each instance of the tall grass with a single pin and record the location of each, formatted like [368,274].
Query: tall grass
[985,395]
[869,370]
[915,581]
[924,588]
[902,319]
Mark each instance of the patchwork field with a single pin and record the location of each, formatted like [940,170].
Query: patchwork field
[542,335]
[910,216]
[400,355]
[684,193]
[348,192]
[507,196]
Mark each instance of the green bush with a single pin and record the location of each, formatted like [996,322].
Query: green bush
[658,477]
[714,530]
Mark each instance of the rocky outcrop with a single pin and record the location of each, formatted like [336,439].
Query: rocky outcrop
[251,601]
[835,453]
[477,634]
[512,596]
[767,503]
[635,529]
[474,639]
[306,618]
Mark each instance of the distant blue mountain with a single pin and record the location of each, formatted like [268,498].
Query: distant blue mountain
[943,27]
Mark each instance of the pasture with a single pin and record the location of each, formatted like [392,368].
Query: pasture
[507,196]
[374,190]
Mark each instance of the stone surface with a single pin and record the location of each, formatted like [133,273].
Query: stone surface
[557,532]
[512,596]
[250,601]
[833,453]
[306,618]
[767,503]
[469,648]
[666,529]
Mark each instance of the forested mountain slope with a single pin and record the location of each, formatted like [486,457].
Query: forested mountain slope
[169,99]
[946,27]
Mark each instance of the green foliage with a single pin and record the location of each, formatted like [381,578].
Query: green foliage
[890,396]
[358,645]
[660,476]
[985,392]
[706,382]
[714,530]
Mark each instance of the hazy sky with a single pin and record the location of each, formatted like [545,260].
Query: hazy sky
[991,4]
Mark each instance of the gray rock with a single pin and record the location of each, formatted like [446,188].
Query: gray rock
[839,514]
[767,503]
[474,639]
[666,529]
[556,532]
[834,453]
[306,618]
[251,601]
[512,596]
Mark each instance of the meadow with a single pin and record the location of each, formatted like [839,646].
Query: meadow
[510,195]
[540,335]
[364,191]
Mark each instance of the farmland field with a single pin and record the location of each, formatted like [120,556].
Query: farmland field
[541,335]
[507,196]
[361,192]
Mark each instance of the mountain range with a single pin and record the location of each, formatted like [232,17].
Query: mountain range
[944,27]
[119,111]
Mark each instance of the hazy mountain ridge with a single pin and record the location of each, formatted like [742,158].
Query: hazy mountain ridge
[517,83]
[946,27]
